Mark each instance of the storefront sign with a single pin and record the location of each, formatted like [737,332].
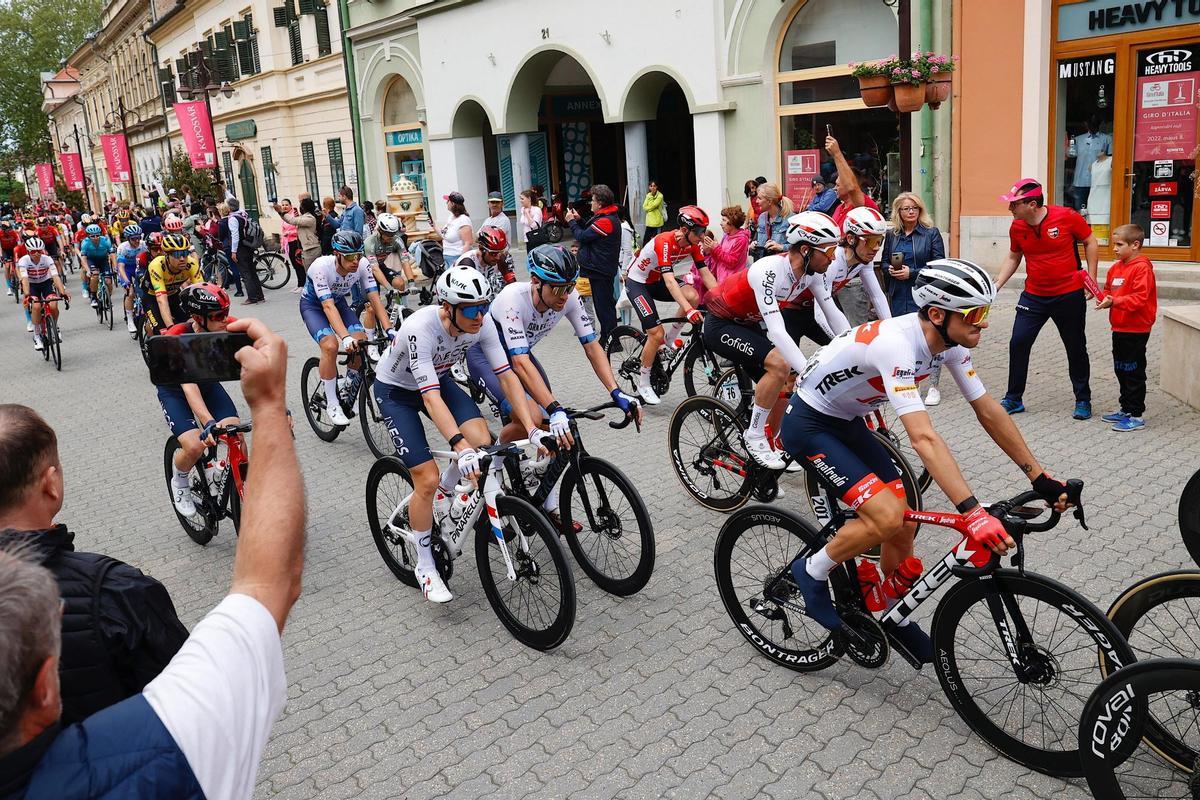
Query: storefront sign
[1159,231]
[403,138]
[1164,169]
[1087,67]
[197,131]
[45,178]
[1166,103]
[1163,189]
[575,105]
[72,167]
[116,156]
[1106,18]
[1160,209]
[799,168]
[243,129]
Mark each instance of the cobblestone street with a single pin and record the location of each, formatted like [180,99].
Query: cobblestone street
[654,695]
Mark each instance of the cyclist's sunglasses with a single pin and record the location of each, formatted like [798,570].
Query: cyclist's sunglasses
[473,312]
[830,252]
[976,315]
[873,242]
[560,289]
[178,253]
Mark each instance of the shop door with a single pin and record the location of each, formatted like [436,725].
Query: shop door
[1160,183]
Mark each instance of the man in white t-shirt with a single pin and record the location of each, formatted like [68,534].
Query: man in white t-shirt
[199,728]
[496,215]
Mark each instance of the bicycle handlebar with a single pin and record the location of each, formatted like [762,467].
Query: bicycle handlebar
[593,413]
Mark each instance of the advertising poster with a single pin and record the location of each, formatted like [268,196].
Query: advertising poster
[45,178]
[196,129]
[116,156]
[72,167]
[1166,103]
[800,167]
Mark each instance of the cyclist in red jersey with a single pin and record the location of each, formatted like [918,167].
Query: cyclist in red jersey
[9,239]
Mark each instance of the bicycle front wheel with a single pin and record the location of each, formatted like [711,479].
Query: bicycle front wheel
[538,607]
[625,356]
[202,525]
[52,343]
[754,550]
[273,269]
[616,546]
[1189,516]
[374,427]
[313,392]
[1113,722]
[1031,717]
[707,454]
[389,484]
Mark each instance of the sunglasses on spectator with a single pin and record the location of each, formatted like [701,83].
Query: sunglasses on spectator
[976,315]
[473,312]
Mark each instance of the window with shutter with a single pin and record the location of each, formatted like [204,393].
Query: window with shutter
[337,169]
[324,43]
[252,45]
[227,164]
[268,168]
[166,82]
[309,157]
[294,43]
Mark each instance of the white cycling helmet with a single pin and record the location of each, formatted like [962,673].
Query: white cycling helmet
[463,286]
[387,223]
[812,228]
[864,221]
[953,284]
[34,243]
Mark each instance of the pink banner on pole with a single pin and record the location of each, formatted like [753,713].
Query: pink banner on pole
[45,178]
[72,167]
[116,156]
[197,131]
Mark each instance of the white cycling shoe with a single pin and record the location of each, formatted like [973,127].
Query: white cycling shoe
[432,585]
[129,326]
[761,451]
[29,327]
[181,497]
[338,417]
[933,396]
[649,397]
[37,342]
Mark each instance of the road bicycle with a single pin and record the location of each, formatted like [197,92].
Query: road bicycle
[104,306]
[1015,652]
[1127,750]
[214,263]
[522,569]
[1189,516]
[217,481]
[704,440]
[272,267]
[701,367]
[48,328]
[316,407]
[602,515]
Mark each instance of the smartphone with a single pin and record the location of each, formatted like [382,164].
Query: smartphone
[195,358]
[828,129]
[897,260]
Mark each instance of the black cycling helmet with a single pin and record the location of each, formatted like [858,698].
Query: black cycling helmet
[347,242]
[553,264]
[203,299]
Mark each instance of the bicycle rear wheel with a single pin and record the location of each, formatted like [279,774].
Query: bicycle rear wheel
[52,344]
[273,269]
[754,549]
[707,454]
[616,546]
[1189,516]
[202,525]
[108,309]
[625,356]
[702,370]
[313,392]
[538,608]
[1115,717]
[1033,719]
[389,484]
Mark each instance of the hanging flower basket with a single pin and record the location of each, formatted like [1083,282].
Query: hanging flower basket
[909,96]
[935,69]
[938,89]
[876,90]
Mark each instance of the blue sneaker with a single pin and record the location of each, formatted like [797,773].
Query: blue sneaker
[817,602]
[916,641]
[1083,410]
[1012,406]
[1115,416]
[1130,424]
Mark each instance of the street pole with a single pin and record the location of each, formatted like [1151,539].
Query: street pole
[905,20]
[212,128]
[128,151]
[87,130]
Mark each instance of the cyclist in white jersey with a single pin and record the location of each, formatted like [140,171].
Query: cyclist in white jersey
[883,361]
[39,278]
[863,230]
[760,294]
[413,378]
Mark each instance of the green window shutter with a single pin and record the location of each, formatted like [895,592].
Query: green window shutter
[324,43]
[337,169]
[311,6]
[252,39]
[282,15]
[268,166]
[249,190]
[294,43]
[309,157]
[504,160]
[227,164]
[166,82]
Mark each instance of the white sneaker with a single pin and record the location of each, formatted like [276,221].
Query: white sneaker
[338,417]
[441,507]
[933,396]
[181,496]
[37,342]
[761,451]
[10,291]
[648,396]
[29,327]
[432,585]
[129,325]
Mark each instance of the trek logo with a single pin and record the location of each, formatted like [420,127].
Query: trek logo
[1113,723]
[837,376]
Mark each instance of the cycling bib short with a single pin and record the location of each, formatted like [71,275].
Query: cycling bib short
[402,409]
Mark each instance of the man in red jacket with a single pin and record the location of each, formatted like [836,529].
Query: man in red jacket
[1133,298]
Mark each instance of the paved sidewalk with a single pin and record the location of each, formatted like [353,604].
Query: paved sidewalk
[653,695]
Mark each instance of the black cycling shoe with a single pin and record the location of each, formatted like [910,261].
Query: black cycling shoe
[916,641]
[817,602]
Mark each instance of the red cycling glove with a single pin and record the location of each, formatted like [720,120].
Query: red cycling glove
[984,529]
[694,316]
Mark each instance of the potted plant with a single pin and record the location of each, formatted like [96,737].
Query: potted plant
[937,70]
[873,82]
[908,85]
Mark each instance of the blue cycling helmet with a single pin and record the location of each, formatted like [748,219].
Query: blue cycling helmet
[132,231]
[552,263]
[92,230]
[347,242]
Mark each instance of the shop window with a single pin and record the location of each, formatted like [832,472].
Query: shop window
[824,33]
[227,168]
[1084,140]
[869,138]
[399,104]
[337,169]
[309,157]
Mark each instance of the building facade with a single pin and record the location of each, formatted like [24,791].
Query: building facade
[281,120]
[69,131]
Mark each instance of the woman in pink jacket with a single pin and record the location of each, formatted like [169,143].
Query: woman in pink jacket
[727,257]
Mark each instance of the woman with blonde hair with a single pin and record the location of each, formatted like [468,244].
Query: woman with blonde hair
[912,243]
[772,222]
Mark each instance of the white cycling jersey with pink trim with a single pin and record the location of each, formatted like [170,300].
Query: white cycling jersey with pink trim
[882,361]
[36,273]
[424,351]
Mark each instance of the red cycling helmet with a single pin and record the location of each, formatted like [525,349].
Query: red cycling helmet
[693,217]
[203,300]
[492,239]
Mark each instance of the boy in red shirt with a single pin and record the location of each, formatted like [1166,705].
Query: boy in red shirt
[1133,300]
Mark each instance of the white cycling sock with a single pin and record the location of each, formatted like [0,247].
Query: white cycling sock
[758,421]
[673,333]
[331,397]
[450,477]
[424,550]
[551,503]
[820,565]
[178,478]
[644,377]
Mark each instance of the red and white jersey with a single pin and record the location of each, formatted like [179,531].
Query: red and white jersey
[841,272]
[881,361]
[767,286]
[662,254]
[40,272]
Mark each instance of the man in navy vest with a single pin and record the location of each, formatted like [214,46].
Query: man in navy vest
[199,728]
[599,242]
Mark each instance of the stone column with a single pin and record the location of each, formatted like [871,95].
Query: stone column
[637,171]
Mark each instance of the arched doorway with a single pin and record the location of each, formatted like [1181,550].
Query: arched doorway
[656,101]
[402,136]
[471,167]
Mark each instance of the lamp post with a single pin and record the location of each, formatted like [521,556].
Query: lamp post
[122,112]
[87,134]
[202,80]
[66,148]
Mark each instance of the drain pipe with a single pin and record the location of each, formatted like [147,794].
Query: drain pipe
[926,155]
[352,92]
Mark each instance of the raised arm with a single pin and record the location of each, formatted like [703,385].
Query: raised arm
[846,177]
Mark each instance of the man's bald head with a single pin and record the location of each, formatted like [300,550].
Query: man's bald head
[27,447]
